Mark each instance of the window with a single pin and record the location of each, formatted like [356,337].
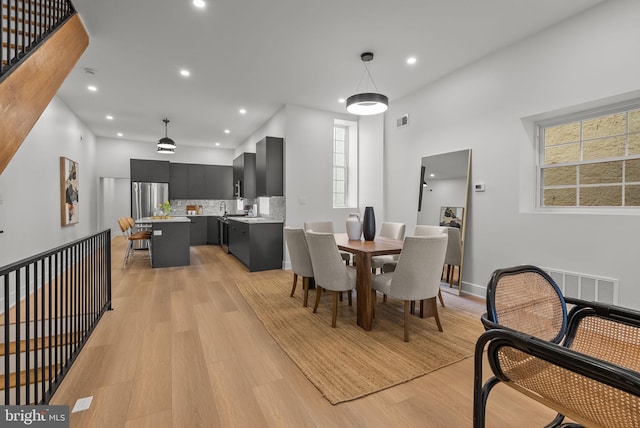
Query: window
[340,165]
[590,161]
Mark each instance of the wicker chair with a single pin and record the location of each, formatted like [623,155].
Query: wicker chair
[585,364]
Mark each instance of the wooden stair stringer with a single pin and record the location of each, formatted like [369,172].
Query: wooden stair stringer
[27,91]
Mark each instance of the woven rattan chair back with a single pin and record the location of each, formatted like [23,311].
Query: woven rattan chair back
[526,299]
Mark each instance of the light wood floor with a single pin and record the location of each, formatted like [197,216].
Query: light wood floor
[182,348]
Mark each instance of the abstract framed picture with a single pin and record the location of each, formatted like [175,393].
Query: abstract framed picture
[69,187]
[451,216]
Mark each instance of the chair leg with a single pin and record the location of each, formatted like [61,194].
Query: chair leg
[318,293]
[305,288]
[334,312]
[440,298]
[434,308]
[407,305]
[374,301]
[340,293]
[384,298]
[349,298]
[450,275]
[295,282]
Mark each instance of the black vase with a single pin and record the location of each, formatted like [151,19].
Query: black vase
[369,224]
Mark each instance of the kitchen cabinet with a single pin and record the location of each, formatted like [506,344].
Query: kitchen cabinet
[269,167]
[213,230]
[196,181]
[149,171]
[218,182]
[198,230]
[244,176]
[257,245]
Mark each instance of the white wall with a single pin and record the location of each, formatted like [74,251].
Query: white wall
[587,58]
[274,127]
[30,186]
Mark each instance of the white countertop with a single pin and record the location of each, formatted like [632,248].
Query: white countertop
[254,220]
[172,219]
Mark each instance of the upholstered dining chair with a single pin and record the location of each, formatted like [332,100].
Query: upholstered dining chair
[453,257]
[421,230]
[300,259]
[417,275]
[329,271]
[131,238]
[325,227]
[391,231]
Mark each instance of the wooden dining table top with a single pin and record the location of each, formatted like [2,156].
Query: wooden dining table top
[379,246]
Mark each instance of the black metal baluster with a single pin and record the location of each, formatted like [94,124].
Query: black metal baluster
[18,336]
[27,354]
[56,315]
[66,319]
[7,341]
[49,327]
[45,345]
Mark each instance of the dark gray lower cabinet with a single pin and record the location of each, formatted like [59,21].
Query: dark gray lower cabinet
[198,230]
[257,245]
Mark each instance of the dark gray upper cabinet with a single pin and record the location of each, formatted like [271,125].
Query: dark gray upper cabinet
[196,181]
[179,184]
[218,182]
[244,173]
[269,167]
[150,171]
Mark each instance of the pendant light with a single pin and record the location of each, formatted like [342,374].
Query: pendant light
[166,144]
[367,103]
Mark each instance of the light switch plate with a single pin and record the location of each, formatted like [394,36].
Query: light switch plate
[157,233]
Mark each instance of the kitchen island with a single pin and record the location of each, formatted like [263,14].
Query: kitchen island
[169,240]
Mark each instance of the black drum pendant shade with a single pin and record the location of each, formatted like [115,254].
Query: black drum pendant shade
[367,103]
[166,144]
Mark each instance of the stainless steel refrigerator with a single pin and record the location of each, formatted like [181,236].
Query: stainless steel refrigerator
[146,198]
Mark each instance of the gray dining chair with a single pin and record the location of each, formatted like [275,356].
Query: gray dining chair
[326,227]
[391,231]
[330,272]
[417,275]
[300,260]
[453,257]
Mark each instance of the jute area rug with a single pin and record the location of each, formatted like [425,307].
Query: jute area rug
[347,362]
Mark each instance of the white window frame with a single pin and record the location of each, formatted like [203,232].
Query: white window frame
[540,154]
[351,162]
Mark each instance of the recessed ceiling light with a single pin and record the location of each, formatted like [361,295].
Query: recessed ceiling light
[432,175]
[226,131]
[411,60]
[119,134]
[200,4]
[217,144]
[341,100]
[109,117]
[243,111]
[185,73]
[92,88]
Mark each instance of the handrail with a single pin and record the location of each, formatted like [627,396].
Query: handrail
[25,25]
[52,303]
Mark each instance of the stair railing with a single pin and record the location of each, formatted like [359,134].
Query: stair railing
[25,24]
[52,303]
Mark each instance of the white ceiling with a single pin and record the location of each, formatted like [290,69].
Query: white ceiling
[261,55]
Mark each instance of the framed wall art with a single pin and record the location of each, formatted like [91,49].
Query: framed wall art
[69,188]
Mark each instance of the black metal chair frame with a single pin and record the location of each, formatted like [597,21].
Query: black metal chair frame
[557,352]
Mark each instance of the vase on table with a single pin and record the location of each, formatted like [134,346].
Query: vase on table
[369,224]
[354,227]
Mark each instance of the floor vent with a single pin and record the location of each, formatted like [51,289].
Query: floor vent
[586,287]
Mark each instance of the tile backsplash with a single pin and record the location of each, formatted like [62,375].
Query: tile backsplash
[277,206]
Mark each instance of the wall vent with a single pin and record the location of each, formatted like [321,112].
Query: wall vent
[585,287]
[403,121]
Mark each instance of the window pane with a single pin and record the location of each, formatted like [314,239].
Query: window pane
[604,126]
[632,196]
[634,121]
[604,148]
[339,146]
[339,200]
[338,186]
[601,196]
[562,134]
[564,153]
[632,171]
[634,144]
[605,172]
[560,197]
[339,160]
[559,176]
[339,132]
[339,174]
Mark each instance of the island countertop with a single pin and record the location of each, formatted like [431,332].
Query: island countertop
[255,220]
[172,219]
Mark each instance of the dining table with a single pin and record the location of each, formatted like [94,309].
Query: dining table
[363,251]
